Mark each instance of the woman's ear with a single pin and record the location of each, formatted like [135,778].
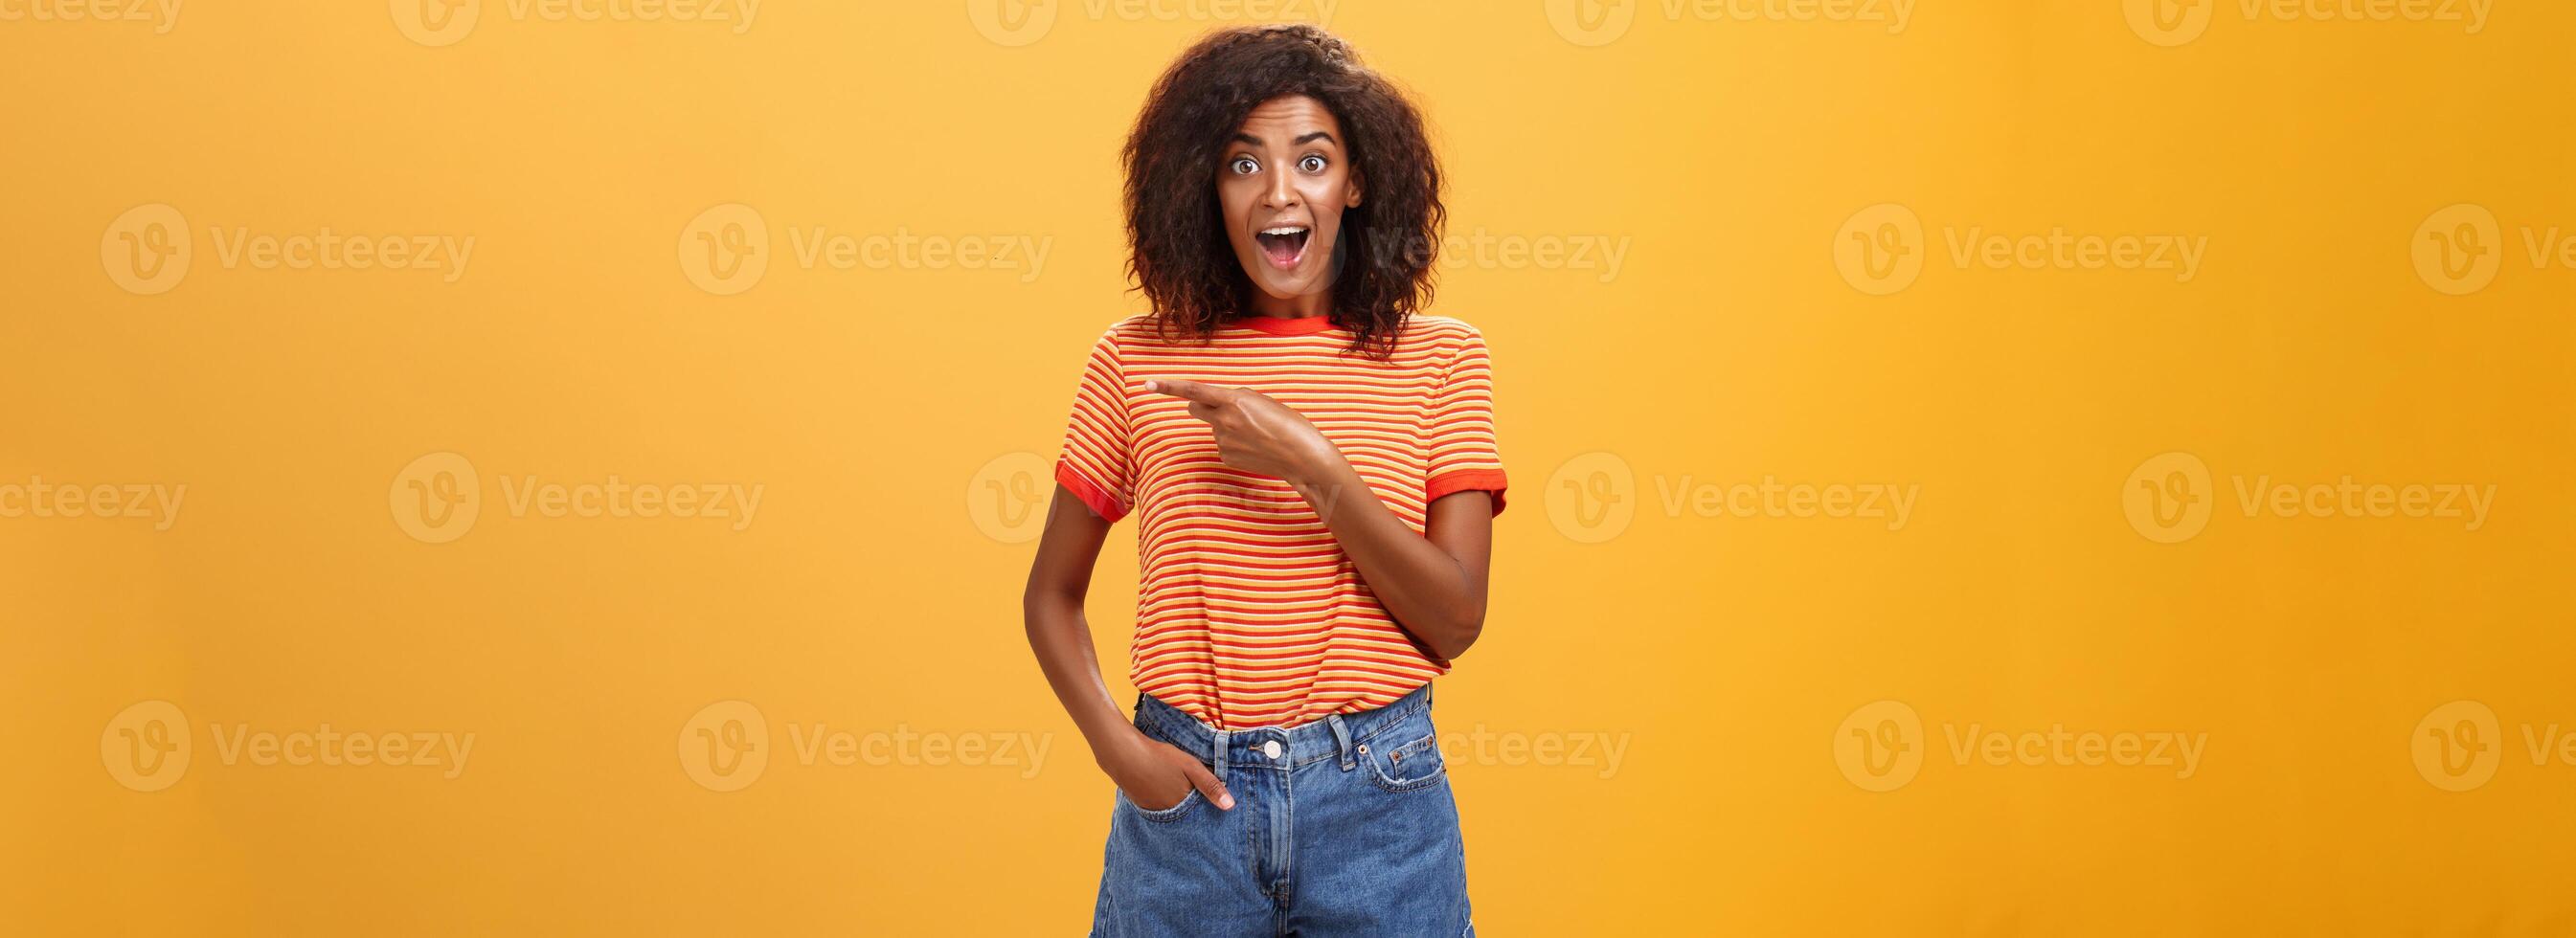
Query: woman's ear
[1353,200]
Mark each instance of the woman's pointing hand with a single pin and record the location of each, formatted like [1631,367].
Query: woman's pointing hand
[1255,433]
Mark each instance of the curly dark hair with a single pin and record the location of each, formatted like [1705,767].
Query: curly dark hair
[1178,250]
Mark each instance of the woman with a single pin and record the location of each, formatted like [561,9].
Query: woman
[1313,469]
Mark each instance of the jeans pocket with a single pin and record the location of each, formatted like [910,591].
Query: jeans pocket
[1166,815]
[1409,767]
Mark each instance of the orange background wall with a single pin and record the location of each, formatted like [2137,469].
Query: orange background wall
[1994,259]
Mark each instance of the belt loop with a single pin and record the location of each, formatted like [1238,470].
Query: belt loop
[1341,740]
[1219,761]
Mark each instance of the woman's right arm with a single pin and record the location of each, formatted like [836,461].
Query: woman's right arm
[1153,773]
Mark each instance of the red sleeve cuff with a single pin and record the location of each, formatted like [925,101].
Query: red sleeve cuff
[1466,480]
[1101,502]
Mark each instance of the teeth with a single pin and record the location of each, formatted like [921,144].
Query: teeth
[1285,230]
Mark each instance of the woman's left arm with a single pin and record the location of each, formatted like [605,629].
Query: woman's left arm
[1433,583]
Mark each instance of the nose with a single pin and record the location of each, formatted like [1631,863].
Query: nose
[1281,192]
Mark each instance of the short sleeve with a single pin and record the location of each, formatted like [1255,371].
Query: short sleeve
[1464,455]
[1098,462]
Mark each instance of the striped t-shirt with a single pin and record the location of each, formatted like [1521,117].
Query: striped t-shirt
[1248,613]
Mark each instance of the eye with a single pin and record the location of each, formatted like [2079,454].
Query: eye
[1244,166]
[1312,163]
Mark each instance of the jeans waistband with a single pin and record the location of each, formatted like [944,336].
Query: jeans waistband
[1277,747]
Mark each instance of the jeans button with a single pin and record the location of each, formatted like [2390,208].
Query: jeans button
[1270,749]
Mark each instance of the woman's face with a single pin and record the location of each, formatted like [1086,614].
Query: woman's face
[1286,179]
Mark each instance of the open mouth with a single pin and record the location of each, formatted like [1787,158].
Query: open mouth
[1284,245]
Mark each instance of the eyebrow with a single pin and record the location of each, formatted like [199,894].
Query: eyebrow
[1302,139]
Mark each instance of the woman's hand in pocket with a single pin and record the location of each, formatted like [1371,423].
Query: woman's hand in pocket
[1157,775]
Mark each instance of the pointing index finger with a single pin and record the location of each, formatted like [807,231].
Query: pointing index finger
[1191,390]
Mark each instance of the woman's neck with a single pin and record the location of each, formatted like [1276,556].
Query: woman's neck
[1297,307]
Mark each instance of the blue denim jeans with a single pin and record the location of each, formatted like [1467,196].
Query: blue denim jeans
[1340,826]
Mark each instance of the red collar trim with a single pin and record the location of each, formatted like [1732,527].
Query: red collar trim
[1276,325]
